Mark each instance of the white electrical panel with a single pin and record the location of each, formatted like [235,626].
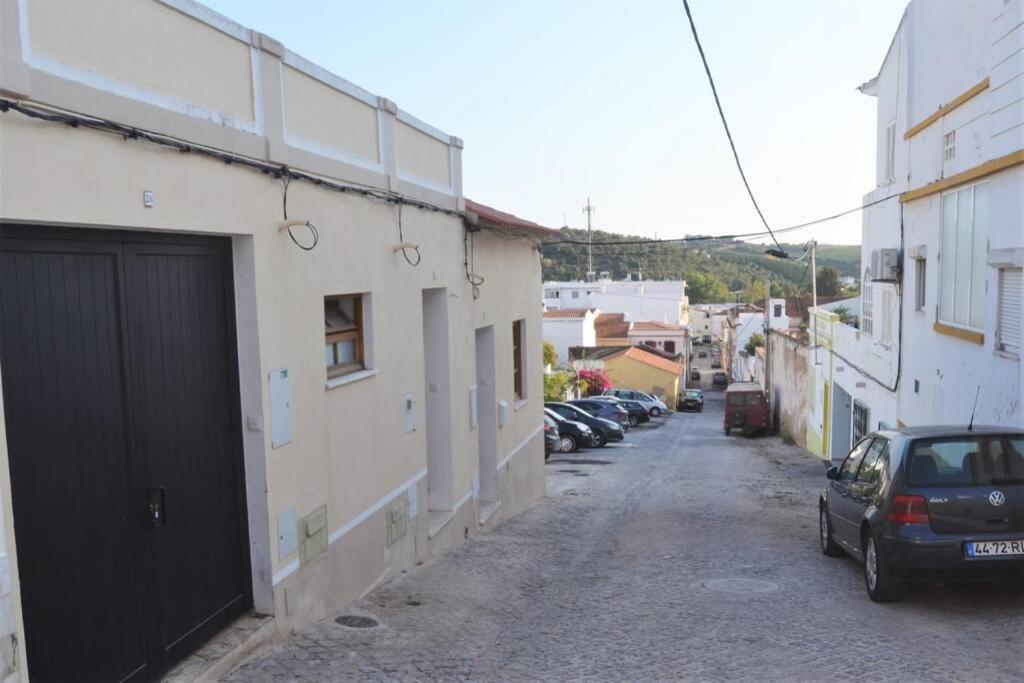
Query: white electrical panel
[473,409]
[287,533]
[502,413]
[280,408]
[414,502]
[409,404]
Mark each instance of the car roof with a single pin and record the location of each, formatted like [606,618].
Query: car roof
[940,431]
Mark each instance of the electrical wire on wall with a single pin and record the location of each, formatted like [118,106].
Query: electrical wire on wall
[469,253]
[404,246]
[286,181]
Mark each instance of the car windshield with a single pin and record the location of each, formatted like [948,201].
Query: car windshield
[967,461]
[693,394]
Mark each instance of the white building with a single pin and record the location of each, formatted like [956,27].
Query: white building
[941,307]
[568,327]
[666,337]
[651,300]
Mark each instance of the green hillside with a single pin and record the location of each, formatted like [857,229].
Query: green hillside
[714,270]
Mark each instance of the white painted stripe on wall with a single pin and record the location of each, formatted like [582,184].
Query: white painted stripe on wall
[286,571]
[520,447]
[115,87]
[336,535]
[362,516]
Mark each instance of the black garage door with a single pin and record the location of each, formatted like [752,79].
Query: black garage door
[117,353]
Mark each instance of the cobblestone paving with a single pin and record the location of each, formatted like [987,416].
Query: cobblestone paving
[613,577]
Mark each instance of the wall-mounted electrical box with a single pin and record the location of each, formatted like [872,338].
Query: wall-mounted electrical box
[280,408]
[409,406]
[885,265]
[313,533]
[397,519]
[287,533]
[502,413]
[473,410]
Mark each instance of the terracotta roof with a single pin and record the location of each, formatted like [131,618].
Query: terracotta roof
[611,325]
[568,313]
[653,360]
[656,327]
[499,219]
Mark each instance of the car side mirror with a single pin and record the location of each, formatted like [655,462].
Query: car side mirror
[832,472]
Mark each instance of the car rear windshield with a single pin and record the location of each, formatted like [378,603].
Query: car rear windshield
[967,461]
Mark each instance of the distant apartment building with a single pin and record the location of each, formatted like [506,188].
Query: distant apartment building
[569,327]
[939,317]
[258,351]
[646,300]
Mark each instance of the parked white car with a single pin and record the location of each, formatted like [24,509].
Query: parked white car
[652,404]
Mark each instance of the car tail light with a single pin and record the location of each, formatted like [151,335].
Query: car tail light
[547,427]
[908,510]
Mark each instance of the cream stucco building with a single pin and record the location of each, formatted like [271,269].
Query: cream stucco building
[200,416]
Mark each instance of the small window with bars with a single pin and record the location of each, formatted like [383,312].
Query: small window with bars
[949,145]
[518,378]
[920,283]
[861,416]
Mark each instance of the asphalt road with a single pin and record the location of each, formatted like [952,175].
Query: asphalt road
[680,554]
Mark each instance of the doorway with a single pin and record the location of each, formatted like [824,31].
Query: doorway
[487,415]
[842,408]
[437,392]
[120,380]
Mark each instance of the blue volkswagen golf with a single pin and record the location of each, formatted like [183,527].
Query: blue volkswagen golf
[928,503]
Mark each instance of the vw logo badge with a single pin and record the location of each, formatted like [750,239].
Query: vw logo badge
[996,498]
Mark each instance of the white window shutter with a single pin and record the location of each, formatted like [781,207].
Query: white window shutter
[1009,310]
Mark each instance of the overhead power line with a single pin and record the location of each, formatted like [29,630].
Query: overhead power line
[749,235]
[725,124]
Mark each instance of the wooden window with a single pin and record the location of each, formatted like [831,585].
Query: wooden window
[517,360]
[962,260]
[670,346]
[343,334]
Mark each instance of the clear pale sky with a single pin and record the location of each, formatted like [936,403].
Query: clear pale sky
[560,99]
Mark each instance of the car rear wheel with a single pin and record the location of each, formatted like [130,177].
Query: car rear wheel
[600,440]
[828,546]
[568,444]
[878,580]
[655,411]
[634,421]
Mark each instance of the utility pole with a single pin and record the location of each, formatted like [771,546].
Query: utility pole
[588,209]
[814,299]
[769,393]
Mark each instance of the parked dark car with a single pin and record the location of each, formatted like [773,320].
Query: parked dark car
[609,410]
[702,354]
[720,379]
[604,430]
[695,375]
[928,503]
[637,413]
[572,435]
[552,439]
[716,361]
[691,399]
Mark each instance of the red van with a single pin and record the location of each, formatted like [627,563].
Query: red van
[746,408]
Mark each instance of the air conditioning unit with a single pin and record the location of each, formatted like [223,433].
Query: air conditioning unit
[885,265]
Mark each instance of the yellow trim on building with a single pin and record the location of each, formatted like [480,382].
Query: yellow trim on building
[946,108]
[960,333]
[980,171]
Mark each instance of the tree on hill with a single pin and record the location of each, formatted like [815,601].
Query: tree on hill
[828,281]
[704,288]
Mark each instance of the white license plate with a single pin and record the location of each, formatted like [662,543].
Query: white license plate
[995,548]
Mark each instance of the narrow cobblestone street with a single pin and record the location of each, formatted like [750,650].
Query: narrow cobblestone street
[680,554]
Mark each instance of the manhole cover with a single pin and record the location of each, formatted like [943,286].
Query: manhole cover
[740,586]
[356,621]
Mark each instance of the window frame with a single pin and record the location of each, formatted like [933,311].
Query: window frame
[867,305]
[962,287]
[866,411]
[518,374]
[860,459]
[1000,343]
[355,331]
[879,454]
[920,284]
